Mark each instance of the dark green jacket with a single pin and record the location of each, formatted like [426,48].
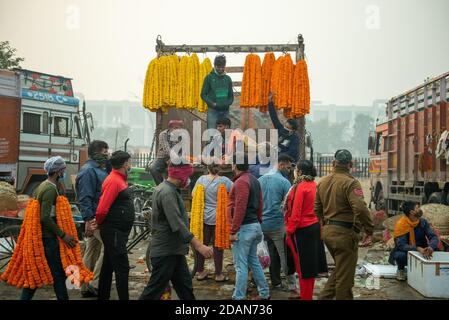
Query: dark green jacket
[217,89]
[46,194]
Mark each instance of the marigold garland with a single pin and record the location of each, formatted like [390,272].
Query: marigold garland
[197,212]
[28,267]
[70,256]
[251,94]
[222,227]
[267,69]
[205,69]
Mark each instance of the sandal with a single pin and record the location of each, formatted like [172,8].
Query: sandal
[224,279]
[202,278]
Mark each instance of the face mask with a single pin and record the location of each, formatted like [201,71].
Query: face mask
[61,177]
[285,172]
[100,158]
[418,213]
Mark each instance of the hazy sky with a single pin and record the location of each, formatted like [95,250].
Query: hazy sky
[357,50]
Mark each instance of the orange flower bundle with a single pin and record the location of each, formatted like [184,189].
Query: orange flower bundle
[70,256]
[222,227]
[267,68]
[282,82]
[301,90]
[251,95]
[28,267]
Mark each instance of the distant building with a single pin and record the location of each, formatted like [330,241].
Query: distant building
[335,113]
[112,114]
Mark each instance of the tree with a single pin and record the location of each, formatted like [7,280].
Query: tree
[7,56]
[328,138]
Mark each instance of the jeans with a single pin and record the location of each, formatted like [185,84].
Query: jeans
[158,169]
[115,260]
[400,257]
[51,249]
[244,252]
[165,269]
[278,258]
[213,115]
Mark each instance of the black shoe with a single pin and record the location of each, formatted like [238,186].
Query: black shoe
[90,293]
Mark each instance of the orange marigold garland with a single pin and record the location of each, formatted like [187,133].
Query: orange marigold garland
[251,95]
[301,90]
[70,256]
[222,227]
[28,267]
[267,69]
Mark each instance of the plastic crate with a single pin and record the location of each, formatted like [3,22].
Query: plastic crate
[429,277]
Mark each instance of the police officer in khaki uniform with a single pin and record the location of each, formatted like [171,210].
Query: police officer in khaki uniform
[340,206]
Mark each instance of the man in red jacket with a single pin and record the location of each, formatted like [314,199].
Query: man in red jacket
[245,215]
[115,218]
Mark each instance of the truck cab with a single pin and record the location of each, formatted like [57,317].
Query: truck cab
[49,123]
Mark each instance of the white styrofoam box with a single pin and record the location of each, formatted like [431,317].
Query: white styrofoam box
[429,277]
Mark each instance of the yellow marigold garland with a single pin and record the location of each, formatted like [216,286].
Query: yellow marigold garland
[205,69]
[197,212]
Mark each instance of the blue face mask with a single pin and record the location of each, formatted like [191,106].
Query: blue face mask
[62,177]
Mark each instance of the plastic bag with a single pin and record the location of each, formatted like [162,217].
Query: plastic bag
[263,254]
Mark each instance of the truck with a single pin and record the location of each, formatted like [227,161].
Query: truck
[403,162]
[241,118]
[41,118]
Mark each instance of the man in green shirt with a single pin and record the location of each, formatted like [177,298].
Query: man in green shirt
[46,194]
[217,92]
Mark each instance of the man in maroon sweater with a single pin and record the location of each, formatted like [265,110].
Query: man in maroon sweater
[245,215]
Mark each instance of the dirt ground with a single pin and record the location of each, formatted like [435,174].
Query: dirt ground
[387,289]
[209,289]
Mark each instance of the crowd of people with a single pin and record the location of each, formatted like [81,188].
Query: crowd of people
[296,216]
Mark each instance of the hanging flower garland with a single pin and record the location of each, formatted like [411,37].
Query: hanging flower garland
[222,227]
[197,212]
[301,90]
[205,69]
[251,94]
[70,257]
[267,69]
[28,267]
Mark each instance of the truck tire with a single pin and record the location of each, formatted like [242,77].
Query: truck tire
[436,197]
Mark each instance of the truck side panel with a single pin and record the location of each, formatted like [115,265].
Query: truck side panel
[9,130]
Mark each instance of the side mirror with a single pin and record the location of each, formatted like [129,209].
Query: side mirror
[371,143]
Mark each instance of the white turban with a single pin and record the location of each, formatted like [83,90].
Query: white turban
[54,164]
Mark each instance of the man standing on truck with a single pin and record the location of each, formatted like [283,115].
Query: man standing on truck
[158,168]
[287,134]
[217,92]
[340,207]
[88,190]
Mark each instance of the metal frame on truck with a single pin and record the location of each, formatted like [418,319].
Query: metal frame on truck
[247,113]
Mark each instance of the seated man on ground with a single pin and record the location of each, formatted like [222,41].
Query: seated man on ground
[411,233]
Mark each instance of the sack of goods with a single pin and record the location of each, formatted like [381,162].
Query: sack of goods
[8,198]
